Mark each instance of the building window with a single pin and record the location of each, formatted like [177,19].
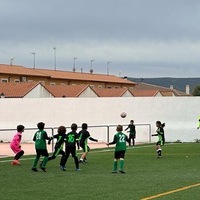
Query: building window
[3,80]
[116,87]
[100,86]
[62,84]
[23,79]
[109,87]
[16,80]
[52,83]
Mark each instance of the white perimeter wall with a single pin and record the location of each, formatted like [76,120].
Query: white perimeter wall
[179,113]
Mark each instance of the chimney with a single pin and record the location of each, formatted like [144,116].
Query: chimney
[187,89]
[171,87]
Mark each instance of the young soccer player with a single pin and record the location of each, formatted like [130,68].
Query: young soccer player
[70,146]
[84,136]
[40,138]
[132,132]
[198,124]
[59,145]
[161,138]
[120,140]
[15,145]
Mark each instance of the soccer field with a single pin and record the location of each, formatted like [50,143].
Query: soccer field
[175,176]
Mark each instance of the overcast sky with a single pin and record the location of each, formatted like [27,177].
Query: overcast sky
[141,38]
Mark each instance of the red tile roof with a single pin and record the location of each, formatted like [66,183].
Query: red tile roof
[58,74]
[66,90]
[84,76]
[145,89]
[19,70]
[144,93]
[111,92]
[17,90]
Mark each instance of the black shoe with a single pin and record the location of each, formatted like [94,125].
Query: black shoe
[81,161]
[85,161]
[122,172]
[34,169]
[62,168]
[43,169]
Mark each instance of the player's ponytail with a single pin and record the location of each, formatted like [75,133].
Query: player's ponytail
[163,125]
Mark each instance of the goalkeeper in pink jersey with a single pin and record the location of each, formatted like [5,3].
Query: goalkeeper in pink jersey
[15,145]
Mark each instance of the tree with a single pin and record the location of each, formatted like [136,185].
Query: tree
[196,91]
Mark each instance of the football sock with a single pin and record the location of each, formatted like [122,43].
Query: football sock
[19,155]
[44,162]
[76,162]
[115,166]
[35,162]
[121,165]
[62,160]
[159,152]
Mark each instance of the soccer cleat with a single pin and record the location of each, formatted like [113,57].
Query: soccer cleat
[63,168]
[114,172]
[34,169]
[81,161]
[15,162]
[12,163]
[42,168]
[85,161]
[122,171]
[78,169]
[159,156]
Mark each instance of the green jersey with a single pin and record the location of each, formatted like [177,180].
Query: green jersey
[161,136]
[131,128]
[40,138]
[71,139]
[120,140]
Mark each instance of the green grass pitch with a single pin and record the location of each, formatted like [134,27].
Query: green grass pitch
[145,176]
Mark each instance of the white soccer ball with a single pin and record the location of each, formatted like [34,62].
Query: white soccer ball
[123,115]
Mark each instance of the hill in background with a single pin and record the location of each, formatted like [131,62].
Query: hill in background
[177,83]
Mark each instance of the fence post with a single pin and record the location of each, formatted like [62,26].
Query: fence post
[150,133]
[108,134]
[52,144]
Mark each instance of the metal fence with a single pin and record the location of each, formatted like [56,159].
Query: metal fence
[104,133]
